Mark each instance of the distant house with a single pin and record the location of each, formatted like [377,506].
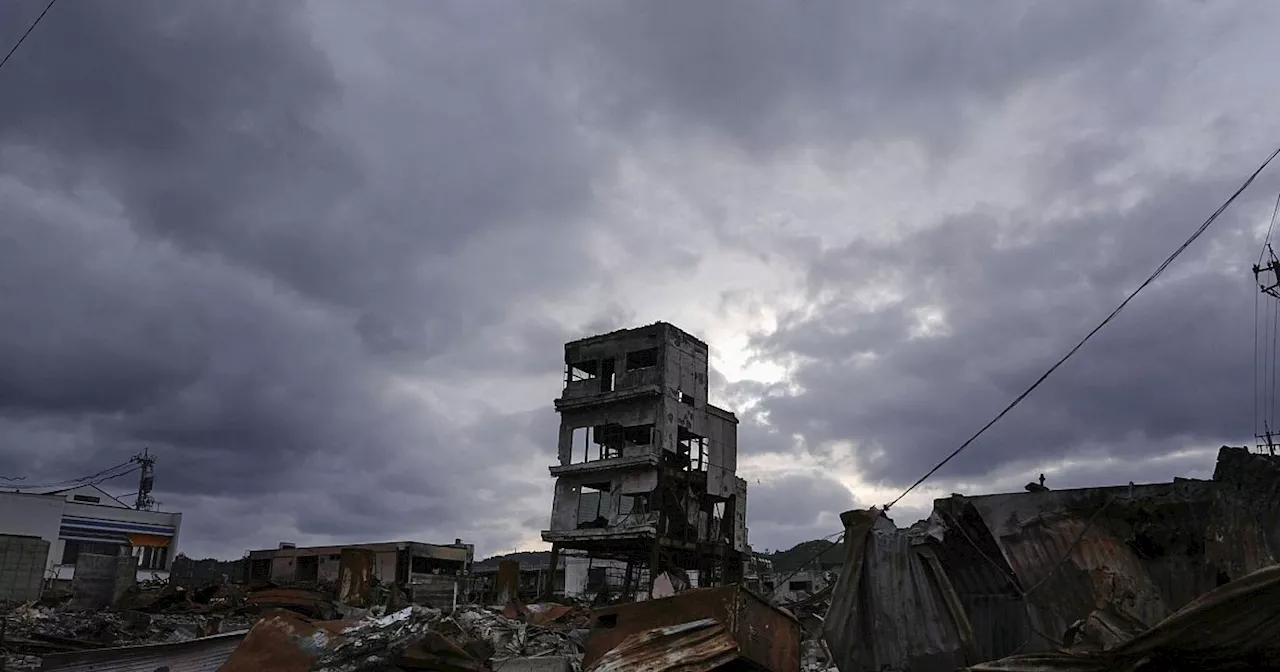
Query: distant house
[89,520]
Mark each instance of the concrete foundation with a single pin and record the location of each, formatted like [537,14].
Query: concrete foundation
[22,562]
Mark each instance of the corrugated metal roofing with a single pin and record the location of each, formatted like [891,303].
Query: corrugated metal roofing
[1027,566]
[889,609]
[1234,627]
[205,654]
[697,646]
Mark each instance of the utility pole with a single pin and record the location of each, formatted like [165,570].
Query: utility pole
[144,501]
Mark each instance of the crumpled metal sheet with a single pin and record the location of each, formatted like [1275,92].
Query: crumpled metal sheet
[697,646]
[886,612]
[1144,551]
[767,636]
[282,641]
[205,654]
[1236,626]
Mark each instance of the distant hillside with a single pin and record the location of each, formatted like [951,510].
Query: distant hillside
[528,560]
[806,551]
[783,561]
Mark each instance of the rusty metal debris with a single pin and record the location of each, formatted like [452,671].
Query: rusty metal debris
[204,654]
[697,646]
[1236,626]
[307,602]
[765,635]
[355,576]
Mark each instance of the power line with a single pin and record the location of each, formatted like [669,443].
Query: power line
[75,481]
[24,35]
[1160,270]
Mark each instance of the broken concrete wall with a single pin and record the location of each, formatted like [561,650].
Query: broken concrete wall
[598,353]
[100,580]
[355,576]
[22,562]
[685,365]
[572,447]
[435,590]
[722,452]
[567,512]
[126,576]
[740,541]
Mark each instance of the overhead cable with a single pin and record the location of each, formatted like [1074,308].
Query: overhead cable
[104,475]
[1105,322]
[24,35]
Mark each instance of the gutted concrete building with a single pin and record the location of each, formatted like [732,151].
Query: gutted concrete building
[433,573]
[646,478]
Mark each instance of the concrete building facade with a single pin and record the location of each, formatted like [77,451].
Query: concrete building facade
[88,520]
[431,572]
[647,467]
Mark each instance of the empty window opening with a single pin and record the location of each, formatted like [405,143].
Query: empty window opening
[609,439]
[585,370]
[308,570]
[422,564]
[638,435]
[606,375]
[151,557]
[800,586]
[685,399]
[692,450]
[72,549]
[642,359]
[600,442]
[607,621]
[90,499]
[633,505]
[597,578]
[591,505]
[259,570]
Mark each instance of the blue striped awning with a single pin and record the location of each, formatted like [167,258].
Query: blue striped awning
[118,526]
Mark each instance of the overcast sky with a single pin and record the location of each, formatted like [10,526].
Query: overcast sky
[320,257]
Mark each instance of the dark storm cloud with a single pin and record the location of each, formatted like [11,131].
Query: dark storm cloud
[766,74]
[796,500]
[207,253]
[1174,369]
[233,232]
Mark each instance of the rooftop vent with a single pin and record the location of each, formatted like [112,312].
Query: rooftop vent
[287,544]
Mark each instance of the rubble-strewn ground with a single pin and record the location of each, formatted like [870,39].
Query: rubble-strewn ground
[31,630]
[472,637]
[311,631]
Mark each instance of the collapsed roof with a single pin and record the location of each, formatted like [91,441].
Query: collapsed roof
[992,576]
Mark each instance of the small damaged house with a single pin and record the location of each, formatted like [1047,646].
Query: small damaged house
[988,577]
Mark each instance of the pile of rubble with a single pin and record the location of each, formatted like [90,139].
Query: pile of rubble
[289,629]
[147,614]
[298,630]
[470,639]
[811,613]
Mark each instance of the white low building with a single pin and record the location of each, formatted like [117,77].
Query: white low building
[87,519]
